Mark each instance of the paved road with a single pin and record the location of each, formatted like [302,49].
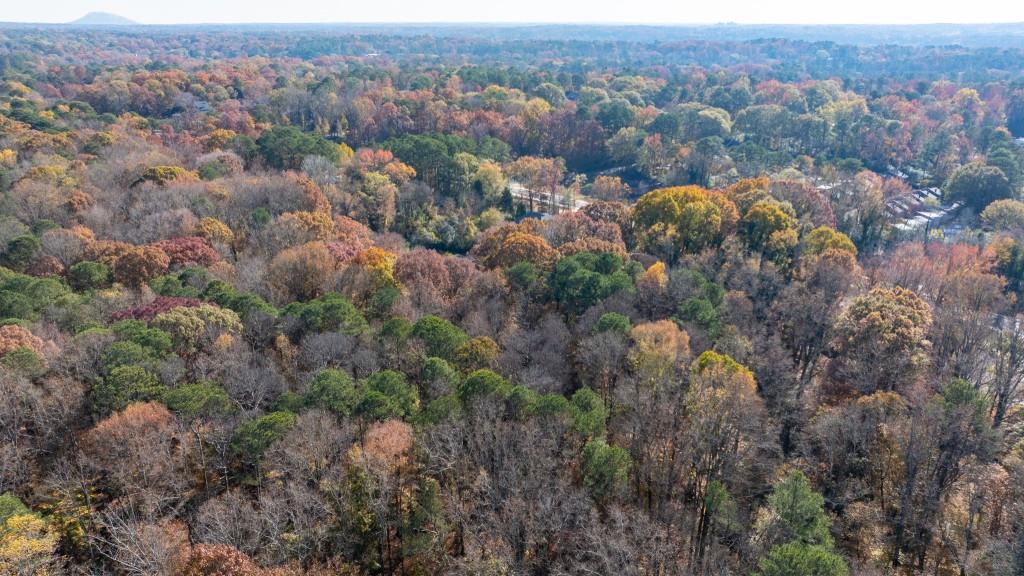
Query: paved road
[540,199]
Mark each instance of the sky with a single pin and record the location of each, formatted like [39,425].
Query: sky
[516,11]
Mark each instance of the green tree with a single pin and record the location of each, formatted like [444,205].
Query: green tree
[705,304]
[522,276]
[589,413]
[1006,159]
[582,280]
[799,523]
[127,353]
[199,400]
[155,341]
[20,252]
[798,559]
[433,156]
[977,186]
[11,505]
[552,405]
[1009,262]
[24,360]
[333,390]
[1015,113]
[438,375]
[244,303]
[440,337]
[122,386]
[798,511]
[483,383]
[330,312]
[615,114]
[552,93]
[285,147]
[425,528]
[386,395]
[605,468]
[89,276]
[613,322]
[442,409]
[254,436]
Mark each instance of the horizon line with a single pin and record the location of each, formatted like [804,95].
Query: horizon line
[134,24]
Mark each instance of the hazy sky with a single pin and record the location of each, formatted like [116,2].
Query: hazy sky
[622,11]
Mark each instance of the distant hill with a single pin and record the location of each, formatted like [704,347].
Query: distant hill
[102,19]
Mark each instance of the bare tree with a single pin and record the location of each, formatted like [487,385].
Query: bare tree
[1007,371]
[140,545]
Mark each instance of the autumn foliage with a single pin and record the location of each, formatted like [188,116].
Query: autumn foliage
[637,301]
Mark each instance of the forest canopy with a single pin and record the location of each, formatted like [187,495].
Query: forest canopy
[313,300]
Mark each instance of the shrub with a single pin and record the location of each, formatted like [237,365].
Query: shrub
[11,505]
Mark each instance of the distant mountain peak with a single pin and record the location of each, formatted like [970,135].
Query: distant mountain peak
[103,19]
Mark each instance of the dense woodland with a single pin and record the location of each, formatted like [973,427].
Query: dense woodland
[268,306]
